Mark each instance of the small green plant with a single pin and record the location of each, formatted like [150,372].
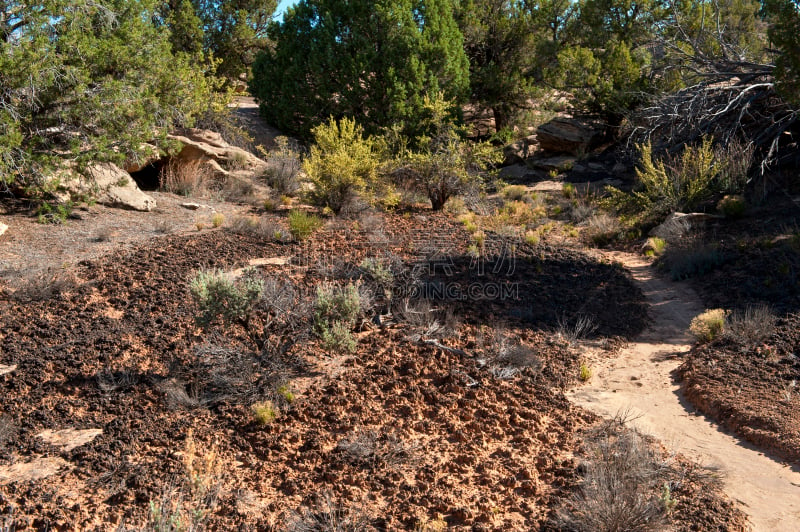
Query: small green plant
[265,412]
[667,499]
[287,394]
[269,205]
[732,206]
[379,272]
[219,296]
[655,246]
[334,304]
[54,213]
[218,219]
[708,325]
[585,372]
[303,224]
[532,238]
[338,338]
[569,191]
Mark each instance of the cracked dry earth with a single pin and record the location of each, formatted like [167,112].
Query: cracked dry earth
[640,383]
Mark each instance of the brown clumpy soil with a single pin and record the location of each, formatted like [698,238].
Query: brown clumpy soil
[402,432]
[753,390]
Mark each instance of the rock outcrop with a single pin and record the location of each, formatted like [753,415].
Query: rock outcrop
[568,135]
[209,148]
[517,152]
[114,187]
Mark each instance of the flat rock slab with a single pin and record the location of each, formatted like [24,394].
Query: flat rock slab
[36,469]
[271,261]
[4,370]
[69,439]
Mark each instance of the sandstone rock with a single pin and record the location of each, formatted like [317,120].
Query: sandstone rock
[36,469]
[191,206]
[515,171]
[679,223]
[149,155]
[69,439]
[5,370]
[212,151]
[3,228]
[517,152]
[116,188]
[568,135]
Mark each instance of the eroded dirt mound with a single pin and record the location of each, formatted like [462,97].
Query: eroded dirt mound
[400,433]
[754,390]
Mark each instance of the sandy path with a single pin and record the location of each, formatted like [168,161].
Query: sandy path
[640,380]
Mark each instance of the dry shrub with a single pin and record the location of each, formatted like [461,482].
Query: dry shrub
[44,285]
[326,515]
[190,501]
[372,449]
[750,326]
[7,431]
[622,485]
[602,229]
[259,227]
[185,178]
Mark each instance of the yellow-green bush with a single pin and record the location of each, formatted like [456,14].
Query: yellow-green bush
[708,325]
[343,164]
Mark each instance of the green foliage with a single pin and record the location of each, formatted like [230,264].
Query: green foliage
[708,325]
[446,165]
[585,372]
[378,271]
[236,31]
[374,59]
[498,41]
[785,35]
[337,304]
[681,185]
[342,164]
[338,338]
[219,296]
[336,310]
[53,213]
[303,224]
[89,80]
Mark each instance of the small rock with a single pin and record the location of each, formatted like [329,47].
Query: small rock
[191,206]
[4,370]
[3,228]
[36,469]
[597,167]
[69,439]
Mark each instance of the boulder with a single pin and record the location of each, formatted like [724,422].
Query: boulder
[679,223]
[212,151]
[517,152]
[114,187]
[568,135]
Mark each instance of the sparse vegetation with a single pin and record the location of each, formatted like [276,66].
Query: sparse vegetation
[622,486]
[709,325]
[264,412]
[217,296]
[302,224]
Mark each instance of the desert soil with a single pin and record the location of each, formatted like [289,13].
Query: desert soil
[641,382]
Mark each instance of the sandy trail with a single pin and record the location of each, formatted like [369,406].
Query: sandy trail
[640,380]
